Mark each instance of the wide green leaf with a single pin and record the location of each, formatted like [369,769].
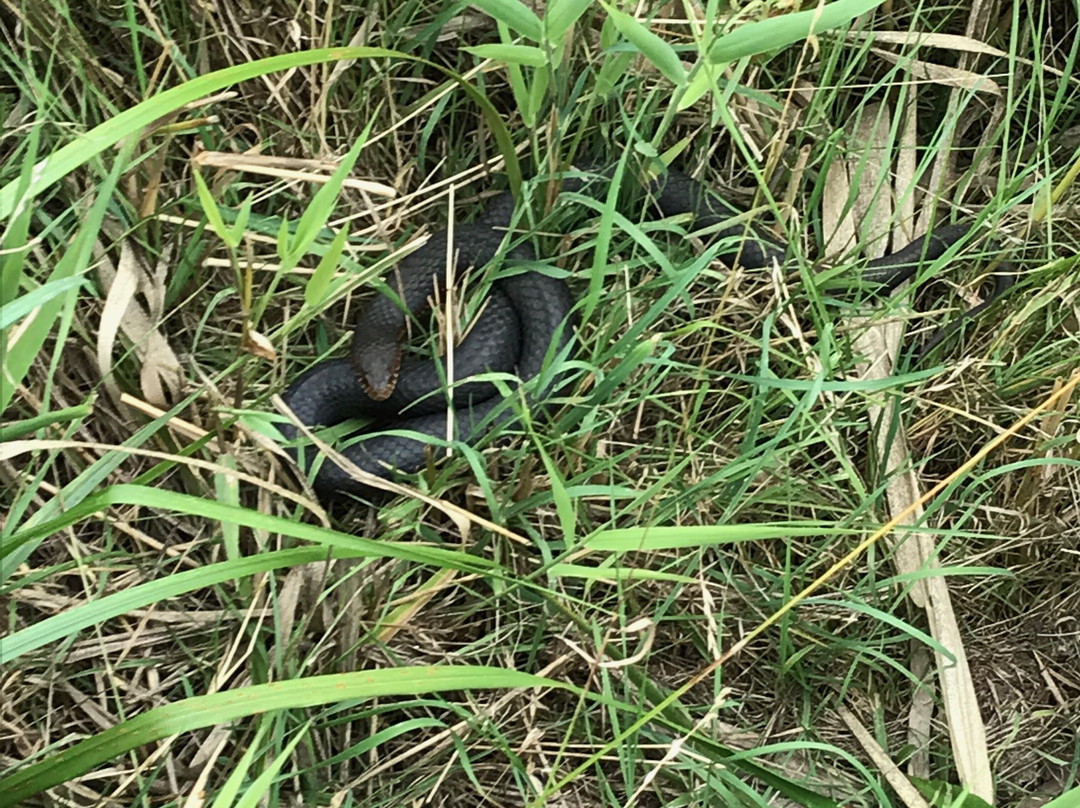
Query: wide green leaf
[652,47]
[13,311]
[1070,799]
[511,54]
[667,538]
[514,15]
[561,14]
[161,500]
[774,33]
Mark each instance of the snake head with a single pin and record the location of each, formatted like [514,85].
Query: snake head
[377,366]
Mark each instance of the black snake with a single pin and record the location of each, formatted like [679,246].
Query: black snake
[528,317]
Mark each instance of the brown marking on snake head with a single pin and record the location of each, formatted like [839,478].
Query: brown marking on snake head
[377,367]
[380,384]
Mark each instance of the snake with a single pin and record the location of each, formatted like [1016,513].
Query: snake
[528,318]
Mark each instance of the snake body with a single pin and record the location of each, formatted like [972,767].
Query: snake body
[528,315]
[525,316]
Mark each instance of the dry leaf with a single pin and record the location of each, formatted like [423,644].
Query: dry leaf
[161,376]
[838,226]
[915,551]
[942,74]
[920,713]
[885,764]
[258,345]
[313,171]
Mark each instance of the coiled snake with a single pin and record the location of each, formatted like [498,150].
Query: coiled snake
[528,317]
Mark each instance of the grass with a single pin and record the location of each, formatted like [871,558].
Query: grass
[692,581]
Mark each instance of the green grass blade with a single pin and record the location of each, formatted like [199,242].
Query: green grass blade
[1070,799]
[22,306]
[624,540]
[561,14]
[133,120]
[514,15]
[319,284]
[258,789]
[18,356]
[317,213]
[226,797]
[775,33]
[18,429]
[511,54]
[652,47]
[78,618]
[158,499]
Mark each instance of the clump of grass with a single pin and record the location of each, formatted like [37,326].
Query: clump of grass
[647,598]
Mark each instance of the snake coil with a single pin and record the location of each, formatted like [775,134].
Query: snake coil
[527,318]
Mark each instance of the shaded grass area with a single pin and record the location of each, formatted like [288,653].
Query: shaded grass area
[714,459]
